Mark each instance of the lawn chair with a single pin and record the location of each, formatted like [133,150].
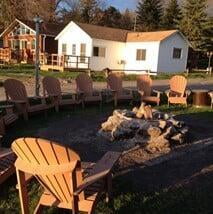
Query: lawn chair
[7,157]
[177,94]
[59,170]
[85,88]
[211,96]
[16,93]
[115,84]
[144,86]
[52,89]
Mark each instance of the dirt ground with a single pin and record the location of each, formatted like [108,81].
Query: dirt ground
[81,135]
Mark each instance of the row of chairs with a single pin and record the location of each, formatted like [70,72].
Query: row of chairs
[16,93]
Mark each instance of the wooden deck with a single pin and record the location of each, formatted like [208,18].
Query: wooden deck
[64,62]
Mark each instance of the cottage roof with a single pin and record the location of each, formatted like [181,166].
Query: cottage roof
[150,36]
[50,29]
[105,33]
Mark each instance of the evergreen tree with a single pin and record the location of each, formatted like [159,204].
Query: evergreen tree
[172,15]
[149,15]
[194,22]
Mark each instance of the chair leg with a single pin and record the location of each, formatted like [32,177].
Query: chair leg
[38,209]
[109,188]
[22,192]
[25,115]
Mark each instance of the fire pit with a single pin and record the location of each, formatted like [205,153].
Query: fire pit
[154,130]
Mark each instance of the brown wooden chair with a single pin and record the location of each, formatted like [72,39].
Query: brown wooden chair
[7,160]
[177,94]
[211,96]
[16,93]
[7,157]
[52,89]
[115,84]
[59,170]
[144,86]
[84,86]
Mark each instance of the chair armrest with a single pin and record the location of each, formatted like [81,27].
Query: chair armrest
[141,92]
[5,152]
[157,92]
[18,101]
[211,94]
[6,106]
[188,92]
[167,92]
[100,170]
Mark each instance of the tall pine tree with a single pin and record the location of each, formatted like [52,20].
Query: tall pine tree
[194,22]
[172,15]
[149,15]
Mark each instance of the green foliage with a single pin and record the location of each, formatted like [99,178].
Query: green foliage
[149,15]
[172,15]
[194,22]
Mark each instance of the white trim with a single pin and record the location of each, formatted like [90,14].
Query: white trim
[67,27]
[16,20]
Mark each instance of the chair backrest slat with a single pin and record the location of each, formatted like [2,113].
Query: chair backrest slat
[51,86]
[178,85]
[115,82]
[40,154]
[84,83]
[144,83]
[15,90]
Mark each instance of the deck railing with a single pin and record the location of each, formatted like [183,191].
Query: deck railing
[65,61]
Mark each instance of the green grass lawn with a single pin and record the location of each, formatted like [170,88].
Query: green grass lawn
[196,198]
[26,71]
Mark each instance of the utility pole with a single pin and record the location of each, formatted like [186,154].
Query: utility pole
[37,21]
[135,23]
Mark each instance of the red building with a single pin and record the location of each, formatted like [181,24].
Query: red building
[19,40]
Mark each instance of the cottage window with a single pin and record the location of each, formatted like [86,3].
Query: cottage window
[23,44]
[177,52]
[99,51]
[74,49]
[23,30]
[64,49]
[141,54]
[33,44]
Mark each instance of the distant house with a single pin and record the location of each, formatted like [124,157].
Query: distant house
[19,39]
[117,49]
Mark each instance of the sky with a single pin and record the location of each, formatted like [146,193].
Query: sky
[131,4]
[123,4]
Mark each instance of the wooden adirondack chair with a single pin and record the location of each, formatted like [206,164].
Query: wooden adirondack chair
[211,96]
[85,87]
[52,88]
[59,170]
[177,94]
[144,85]
[115,84]
[16,93]
[7,157]
[7,160]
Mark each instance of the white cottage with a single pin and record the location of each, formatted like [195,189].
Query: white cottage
[134,52]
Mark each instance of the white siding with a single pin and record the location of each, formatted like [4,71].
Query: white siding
[115,52]
[151,62]
[166,63]
[73,34]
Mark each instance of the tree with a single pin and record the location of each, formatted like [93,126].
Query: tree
[172,15]
[89,10]
[194,22]
[149,15]
[127,20]
[111,17]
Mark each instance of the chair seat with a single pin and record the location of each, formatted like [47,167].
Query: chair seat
[10,118]
[151,99]
[68,102]
[39,107]
[178,100]
[92,98]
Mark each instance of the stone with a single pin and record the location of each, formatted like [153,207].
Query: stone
[178,138]
[162,124]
